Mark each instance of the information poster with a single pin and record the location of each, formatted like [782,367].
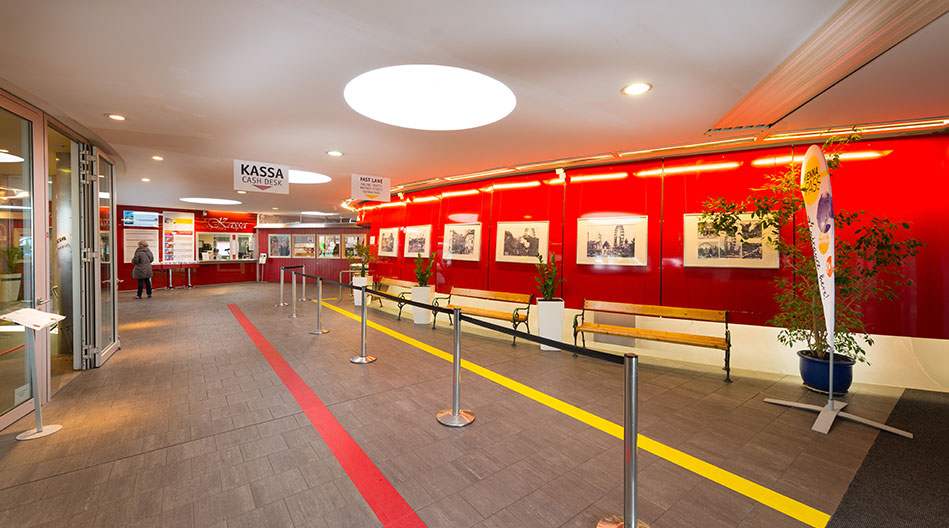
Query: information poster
[131,237]
[177,237]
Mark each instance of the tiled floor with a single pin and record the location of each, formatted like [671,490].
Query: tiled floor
[188,425]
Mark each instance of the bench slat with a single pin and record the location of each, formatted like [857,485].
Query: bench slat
[504,316]
[396,282]
[492,295]
[656,335]
[698,314]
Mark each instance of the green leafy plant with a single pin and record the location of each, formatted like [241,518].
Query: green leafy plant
[362,256]
[870,254]
[423,269]
[12,256]
[547,282]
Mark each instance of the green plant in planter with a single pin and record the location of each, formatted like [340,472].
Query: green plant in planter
[362,256]
[870,253]
[423,269]
[547,282]
[13,255]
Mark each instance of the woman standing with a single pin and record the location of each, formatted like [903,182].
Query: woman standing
[143,268]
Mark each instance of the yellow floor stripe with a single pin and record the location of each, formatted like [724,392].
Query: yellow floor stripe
[757,492]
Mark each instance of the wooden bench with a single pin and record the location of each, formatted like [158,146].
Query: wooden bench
[383,285]
[516,317]
[716,316]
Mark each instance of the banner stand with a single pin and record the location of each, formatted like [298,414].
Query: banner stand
[33,320]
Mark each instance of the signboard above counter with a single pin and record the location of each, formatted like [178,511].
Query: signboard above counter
[258,176]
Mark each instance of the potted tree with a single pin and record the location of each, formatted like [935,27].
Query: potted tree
[10,281]
[423,292]
[869,256]
[549,308]
[361,257]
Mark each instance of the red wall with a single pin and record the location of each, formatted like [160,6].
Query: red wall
[908,184]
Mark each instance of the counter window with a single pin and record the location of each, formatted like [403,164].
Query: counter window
[225,246]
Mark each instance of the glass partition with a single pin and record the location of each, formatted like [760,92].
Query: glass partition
[106,230]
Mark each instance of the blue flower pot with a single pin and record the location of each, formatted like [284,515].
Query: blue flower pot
[815,373]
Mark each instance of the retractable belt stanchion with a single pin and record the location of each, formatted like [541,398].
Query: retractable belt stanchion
[456,416]
[362,358]
[293,294]
[281,303]
[303,280]
[630,433]
[319,309]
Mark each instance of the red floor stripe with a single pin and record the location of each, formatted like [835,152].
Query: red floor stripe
[390,508]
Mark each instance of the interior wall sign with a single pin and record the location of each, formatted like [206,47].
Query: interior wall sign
[258,176]
[373,188]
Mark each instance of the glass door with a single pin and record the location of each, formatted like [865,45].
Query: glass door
[16,258]
[107,313]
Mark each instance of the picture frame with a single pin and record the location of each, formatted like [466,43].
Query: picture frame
[304,246]
[328,246]
[521,241]
[613,241]
[418,240]
[278,246]
[747,249]
[388,242]
[350,242]
[462,242]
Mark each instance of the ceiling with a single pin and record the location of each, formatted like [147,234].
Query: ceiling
[203,83]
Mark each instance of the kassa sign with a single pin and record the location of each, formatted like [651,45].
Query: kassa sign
[258,176]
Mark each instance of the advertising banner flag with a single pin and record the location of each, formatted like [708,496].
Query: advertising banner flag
[373,188]
[819,204]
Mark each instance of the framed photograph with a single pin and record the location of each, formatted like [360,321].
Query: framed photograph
[304,246]
[521,242]
[616,241]
[462,242]
[328,246]
[350,242]
[389,242]
[279,246]
[747,249]
[418,239]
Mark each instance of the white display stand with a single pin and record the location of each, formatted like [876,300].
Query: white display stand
[32,320]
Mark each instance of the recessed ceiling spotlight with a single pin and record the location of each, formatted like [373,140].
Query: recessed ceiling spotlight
[116,117]
[429,97]
[212,201]
[275,208]
[299,176]
[241,192]
[146,180]
[636,88]
[334,153]
[158,158]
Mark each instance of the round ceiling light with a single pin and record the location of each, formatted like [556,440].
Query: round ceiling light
[116,117]
[299,176]
[430,97]
[211,201]
[158,158]
[6,157]
[334,153]
[636,88]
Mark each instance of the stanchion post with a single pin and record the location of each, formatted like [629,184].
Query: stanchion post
[293,294]
[362,358]
[456,416]
[319,309]
[303,280]
[281,303]
[630,434]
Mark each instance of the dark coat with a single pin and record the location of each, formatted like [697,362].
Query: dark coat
[143,263]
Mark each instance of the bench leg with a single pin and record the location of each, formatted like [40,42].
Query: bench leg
[574,341]
[514,342]
[400,311]
[434,317]
[728,366]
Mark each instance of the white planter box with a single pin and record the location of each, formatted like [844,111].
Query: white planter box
[360,281]
[422,294]
[550,320]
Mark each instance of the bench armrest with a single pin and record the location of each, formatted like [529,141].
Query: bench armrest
[528,308]
[436,299]
[577,320]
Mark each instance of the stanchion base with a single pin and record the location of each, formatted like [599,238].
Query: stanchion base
[362,360]
[320,331]
[463,418]
[303,299]
[616,521]
[294,316]
[32,434]
[278,305]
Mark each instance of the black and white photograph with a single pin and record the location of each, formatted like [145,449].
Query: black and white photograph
[616,241]
[521,241]
[747,249]
[418,240]
[462,242]
[389,242]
